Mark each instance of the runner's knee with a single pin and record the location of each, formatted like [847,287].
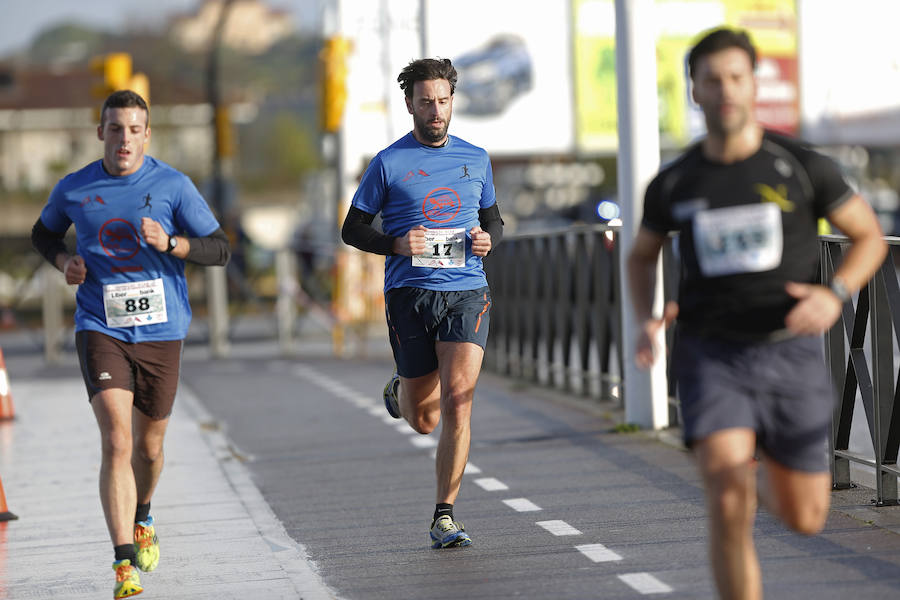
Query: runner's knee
[148,451]
[732,498]
[425,421]
[807,515]
[116,444]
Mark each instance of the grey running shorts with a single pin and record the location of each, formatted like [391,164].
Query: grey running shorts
[417,318]
[779,389]
[148,369]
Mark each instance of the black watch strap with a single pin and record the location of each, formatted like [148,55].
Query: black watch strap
[839,289]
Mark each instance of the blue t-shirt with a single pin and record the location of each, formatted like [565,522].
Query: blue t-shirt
[107,212]
[412,184]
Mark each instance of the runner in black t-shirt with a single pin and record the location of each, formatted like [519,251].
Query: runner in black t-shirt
[750,366]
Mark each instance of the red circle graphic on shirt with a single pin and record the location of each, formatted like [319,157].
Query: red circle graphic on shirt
[441,205]
[119,239]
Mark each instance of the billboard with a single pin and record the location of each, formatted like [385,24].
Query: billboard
[771,24]
[514,94]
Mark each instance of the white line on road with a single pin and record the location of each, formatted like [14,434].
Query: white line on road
[489,484]
[598,552]
[472,469]
[645,583]
[558,527]
[423,441]
[521,504]
[403,427]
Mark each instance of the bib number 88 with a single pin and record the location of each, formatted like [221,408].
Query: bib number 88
[132,305]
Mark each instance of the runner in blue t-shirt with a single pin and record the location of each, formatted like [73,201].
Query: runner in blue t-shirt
[137,221]
[435,193]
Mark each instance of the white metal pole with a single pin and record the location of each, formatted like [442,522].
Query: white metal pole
[645,392]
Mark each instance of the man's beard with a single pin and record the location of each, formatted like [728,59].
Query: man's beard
[429,133]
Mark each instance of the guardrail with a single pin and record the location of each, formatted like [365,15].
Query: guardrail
[556,312]
[873,375]
[556,321]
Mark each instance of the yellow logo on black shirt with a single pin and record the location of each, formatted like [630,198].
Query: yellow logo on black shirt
[776,195]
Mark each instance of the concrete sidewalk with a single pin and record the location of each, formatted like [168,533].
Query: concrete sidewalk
[218,537]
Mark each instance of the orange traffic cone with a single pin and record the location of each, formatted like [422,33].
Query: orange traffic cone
[5,515]
[6,404]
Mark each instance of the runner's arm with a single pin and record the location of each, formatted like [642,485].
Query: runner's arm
[491,222]
[357,231]
[209,250]
[49,244]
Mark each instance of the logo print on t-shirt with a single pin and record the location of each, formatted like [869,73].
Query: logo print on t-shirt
[411,174]
[777,195]
[147,203]
[89,202]
[441,205]
[119,239]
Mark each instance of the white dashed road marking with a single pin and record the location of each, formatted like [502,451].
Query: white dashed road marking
[423,442]
[521,504]
[489,484]
[645,583]
[598,552]
[558,527]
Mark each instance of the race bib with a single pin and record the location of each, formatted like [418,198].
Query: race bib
[135,303]
[444,249]
[738,239]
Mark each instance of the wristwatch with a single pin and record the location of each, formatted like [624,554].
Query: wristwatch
[839,289]
[173,241]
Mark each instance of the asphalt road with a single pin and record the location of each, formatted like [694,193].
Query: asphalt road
[558,506]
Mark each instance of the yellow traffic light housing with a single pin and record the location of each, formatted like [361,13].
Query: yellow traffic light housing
[115,70]
[333,82]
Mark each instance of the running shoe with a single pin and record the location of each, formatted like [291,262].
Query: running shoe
[447,533]
[128,583]
[146,545]
[391,400]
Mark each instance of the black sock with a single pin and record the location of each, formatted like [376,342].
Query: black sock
[441,509]
[143,511]
[125,551]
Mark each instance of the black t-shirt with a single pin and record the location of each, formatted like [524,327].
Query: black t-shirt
[745,229]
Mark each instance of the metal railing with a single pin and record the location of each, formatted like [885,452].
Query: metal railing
[555,318]
[873,374]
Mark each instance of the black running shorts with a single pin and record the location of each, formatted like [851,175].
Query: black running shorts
[779,389]
[417,318]
[148,369]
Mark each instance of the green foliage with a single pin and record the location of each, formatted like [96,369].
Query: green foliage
[626,428]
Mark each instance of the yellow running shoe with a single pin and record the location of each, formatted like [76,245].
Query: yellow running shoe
[128,583]
[146,545]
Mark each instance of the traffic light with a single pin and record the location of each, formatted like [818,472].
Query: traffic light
[333,82]
[115,70]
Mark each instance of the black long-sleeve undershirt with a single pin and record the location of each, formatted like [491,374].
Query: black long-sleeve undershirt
[210,250]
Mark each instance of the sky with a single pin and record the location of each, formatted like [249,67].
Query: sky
[23,19]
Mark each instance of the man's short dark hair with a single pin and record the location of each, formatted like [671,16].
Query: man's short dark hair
[124,99]
[426,69]
[721,39]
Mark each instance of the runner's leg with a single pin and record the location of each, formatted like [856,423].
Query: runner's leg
[729,470]
[112,408]
[800,499]
[420,401]
[147,458]
[459,366]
